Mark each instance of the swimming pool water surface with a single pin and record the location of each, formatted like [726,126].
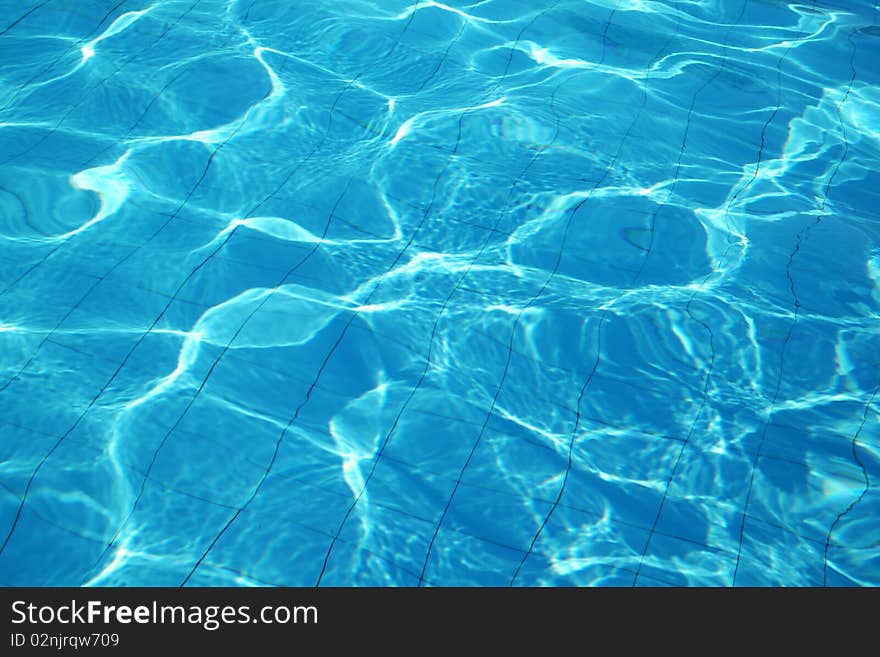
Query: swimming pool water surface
[383,292]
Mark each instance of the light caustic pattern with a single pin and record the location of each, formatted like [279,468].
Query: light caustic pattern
[490,292]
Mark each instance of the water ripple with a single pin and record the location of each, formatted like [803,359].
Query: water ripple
[439,293]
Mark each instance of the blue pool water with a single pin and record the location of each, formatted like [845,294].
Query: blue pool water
[374,292]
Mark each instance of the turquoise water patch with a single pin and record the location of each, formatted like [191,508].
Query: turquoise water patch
[429,294]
